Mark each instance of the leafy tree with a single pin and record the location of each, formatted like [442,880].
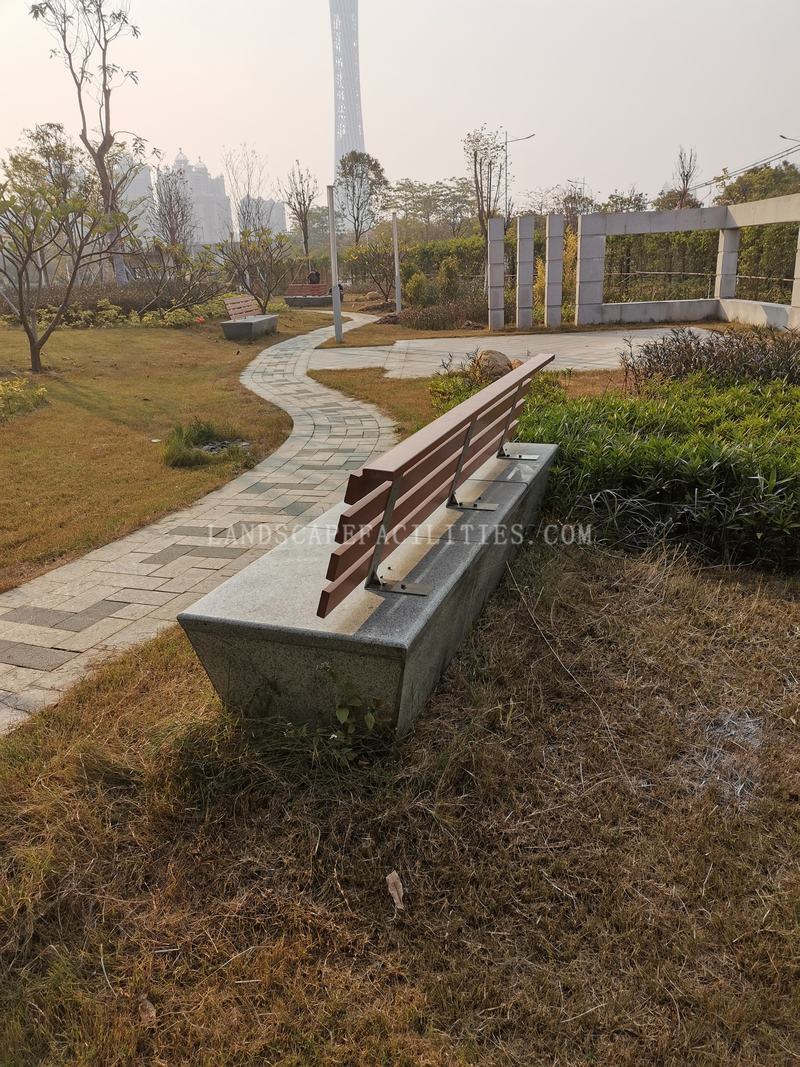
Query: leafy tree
[86,32]
[300,190]
[361,186]
[632,200]
[374,259]
[51,229]
[258,262]
[760,183]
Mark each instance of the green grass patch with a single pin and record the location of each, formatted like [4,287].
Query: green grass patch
[693,461]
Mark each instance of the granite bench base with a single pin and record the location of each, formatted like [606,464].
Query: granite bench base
[267,653]
[250,328]
[309,301]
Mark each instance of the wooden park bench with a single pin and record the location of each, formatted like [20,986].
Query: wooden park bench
[405,565]
[246,319]
[303,294]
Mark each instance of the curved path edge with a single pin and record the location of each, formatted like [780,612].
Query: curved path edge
[56,628]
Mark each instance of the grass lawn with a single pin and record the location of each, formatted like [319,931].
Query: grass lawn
[595,822]
[82,469]
[408,401]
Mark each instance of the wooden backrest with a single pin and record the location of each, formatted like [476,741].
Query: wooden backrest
[307,289]
[394,494]
[241,307]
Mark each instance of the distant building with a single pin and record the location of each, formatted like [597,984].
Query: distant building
[212,207]
[264,212]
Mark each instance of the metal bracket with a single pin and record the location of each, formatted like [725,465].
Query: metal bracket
[519,452]
[406,588]
[476,505]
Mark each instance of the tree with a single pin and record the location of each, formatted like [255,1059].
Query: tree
[299,192]
[759,183]
[456,211]
[361,186]
[86,32]
[375,259]
[171,216]
[258,262]
[485,154]
[632,200]
[680,196]
[48,230]
[246,179]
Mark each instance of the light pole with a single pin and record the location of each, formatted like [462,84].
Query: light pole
[514,140]
[783,137]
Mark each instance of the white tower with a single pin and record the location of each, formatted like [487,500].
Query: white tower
[346,79]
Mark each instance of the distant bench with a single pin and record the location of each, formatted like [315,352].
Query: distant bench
[246,319]
[304,295]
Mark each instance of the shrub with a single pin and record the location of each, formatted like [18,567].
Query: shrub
[448,278]
[183,446]
[693,461]
[420,292]
[18,396]
[759,353]
[449,316]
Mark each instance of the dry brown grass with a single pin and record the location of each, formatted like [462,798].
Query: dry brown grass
[408,400]
[82,470]
[595,822]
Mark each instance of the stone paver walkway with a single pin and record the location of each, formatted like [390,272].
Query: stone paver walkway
[593,350]
[55,628]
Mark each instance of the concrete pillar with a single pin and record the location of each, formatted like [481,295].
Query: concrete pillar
[727,264]
[525,266]
[591,268]
[794,310]
[496,275]
[554,270]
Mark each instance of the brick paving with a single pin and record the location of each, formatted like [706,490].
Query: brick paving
[56,628]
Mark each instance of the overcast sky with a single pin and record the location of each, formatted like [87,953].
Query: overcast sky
[611,87]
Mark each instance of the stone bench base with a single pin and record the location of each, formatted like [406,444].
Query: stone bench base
[267,653]
[309,301]
[250,328]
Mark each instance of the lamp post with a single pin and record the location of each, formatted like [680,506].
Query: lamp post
[513,140]
[783,137]
[336,298]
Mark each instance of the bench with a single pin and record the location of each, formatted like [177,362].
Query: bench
[246,319]
[306,295]
[364,607]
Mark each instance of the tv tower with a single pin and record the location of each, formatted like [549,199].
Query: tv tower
[346,79]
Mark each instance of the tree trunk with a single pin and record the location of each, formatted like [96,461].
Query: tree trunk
[36,356]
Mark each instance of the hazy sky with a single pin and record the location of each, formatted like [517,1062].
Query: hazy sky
[611,87]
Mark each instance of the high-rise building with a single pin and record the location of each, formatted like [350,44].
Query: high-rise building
[212,207]
[259,211]
[346,79]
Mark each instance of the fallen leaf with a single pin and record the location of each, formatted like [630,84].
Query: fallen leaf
[396,890]
[147,1012]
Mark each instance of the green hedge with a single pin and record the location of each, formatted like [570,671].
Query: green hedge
[714,466]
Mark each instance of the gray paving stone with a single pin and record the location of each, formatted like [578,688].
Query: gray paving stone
[168,555]
[214,552]
[17,654]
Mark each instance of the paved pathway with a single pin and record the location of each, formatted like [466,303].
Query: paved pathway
[415,359]
[54,629]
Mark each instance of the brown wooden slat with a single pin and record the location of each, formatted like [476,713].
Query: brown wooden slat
[423,468]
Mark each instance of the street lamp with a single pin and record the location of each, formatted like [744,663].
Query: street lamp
[783,137]
[513,140]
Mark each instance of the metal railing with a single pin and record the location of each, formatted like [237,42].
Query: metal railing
[390,497]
